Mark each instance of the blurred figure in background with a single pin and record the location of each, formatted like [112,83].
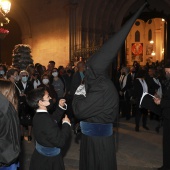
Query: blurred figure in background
[26,113]
[9,127]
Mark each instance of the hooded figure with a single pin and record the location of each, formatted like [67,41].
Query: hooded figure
[96,105]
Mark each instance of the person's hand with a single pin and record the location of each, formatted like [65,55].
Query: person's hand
[157,96]
[157,101]
[66,119]
[62,102]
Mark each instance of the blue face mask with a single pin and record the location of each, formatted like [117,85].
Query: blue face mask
[2,72]
[24,79]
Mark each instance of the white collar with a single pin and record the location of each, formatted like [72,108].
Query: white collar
[41,110]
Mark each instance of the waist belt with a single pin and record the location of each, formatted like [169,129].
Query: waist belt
[96,129]
[47,151]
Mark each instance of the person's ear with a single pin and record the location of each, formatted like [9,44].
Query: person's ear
[40,103]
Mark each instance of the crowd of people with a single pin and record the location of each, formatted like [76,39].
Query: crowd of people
[132,82]
[59,85]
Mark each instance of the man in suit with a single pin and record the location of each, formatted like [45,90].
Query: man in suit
[164,103]
[125,85]
[152,86]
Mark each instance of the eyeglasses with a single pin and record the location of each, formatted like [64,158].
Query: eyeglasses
[24,75]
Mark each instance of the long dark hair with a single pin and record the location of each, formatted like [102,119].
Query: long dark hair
[7,88]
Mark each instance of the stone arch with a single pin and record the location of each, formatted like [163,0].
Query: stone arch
[19,14]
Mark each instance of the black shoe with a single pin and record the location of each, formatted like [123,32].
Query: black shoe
[145,127]
[22,138]
[137,129]
[29,138]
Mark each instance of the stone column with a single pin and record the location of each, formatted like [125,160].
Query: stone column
[72,28]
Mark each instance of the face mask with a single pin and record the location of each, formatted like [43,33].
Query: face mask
[45,81]
[24,79]
[51,105]
[2,72]
[55,74]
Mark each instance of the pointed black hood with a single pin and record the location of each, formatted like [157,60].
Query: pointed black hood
[99,62]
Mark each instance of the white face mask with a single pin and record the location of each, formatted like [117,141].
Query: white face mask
[45,81]
[24,79]
[2,72]
[55,74]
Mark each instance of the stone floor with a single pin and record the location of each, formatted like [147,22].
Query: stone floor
[135,150]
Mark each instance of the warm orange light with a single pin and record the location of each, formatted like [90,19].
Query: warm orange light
[5,6]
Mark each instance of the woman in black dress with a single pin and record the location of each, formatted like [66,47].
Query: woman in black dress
[49,137]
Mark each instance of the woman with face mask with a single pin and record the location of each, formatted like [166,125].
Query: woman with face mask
[25,112]
[50,89]
[58,84]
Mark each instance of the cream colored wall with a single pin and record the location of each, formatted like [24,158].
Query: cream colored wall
[48,29]
[157,27]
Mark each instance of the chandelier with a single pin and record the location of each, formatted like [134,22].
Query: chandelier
[5,6]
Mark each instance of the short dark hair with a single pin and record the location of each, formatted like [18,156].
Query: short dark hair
[34,96]
[141,73]
[11,72]
[52,62]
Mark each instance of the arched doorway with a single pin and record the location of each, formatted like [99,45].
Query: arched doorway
[7,44]
[145,41]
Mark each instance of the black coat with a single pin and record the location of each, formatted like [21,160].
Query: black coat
[25,111]
[152,86]
[76,81]
[165,102]
[138,91]
[47,133]
[9,132]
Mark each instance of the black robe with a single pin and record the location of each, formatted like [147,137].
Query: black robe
[47,133]
[100,104]
[165,105]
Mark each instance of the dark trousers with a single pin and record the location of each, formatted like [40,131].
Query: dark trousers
[125,107]
[141,112]
[166,143]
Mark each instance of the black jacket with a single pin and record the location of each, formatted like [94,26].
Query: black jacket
[9,132]
[165,101]
[76,81]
